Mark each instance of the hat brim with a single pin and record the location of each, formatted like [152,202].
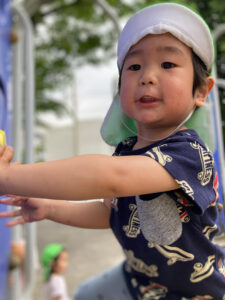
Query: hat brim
[117,126]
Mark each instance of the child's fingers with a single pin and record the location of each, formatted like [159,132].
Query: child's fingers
[7,154]
[15,201]
[10,214]
[13,196]
[15,222]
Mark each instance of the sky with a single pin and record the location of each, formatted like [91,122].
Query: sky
[95,87]
[89,95]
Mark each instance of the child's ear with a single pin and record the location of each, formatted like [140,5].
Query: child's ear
[202,92]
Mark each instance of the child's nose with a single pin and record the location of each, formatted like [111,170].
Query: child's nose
[148,76]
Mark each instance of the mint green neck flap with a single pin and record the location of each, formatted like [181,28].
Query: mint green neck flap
[117,126]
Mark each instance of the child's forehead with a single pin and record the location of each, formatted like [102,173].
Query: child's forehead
[63,253]
[162,43]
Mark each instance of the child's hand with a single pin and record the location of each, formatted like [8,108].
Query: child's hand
[17,254]
[31,209]
[18,249]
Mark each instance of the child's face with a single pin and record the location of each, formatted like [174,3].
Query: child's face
[157,81]
[61,263]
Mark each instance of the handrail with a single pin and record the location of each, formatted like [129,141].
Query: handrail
[28,57]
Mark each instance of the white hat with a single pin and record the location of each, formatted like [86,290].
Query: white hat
[181,22]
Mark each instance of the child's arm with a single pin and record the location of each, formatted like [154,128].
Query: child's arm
[93,215]
[84,177]
[86,214]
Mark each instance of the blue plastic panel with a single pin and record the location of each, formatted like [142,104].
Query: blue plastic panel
[5,82]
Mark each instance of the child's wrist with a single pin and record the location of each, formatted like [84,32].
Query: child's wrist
[3,181]
[50,210]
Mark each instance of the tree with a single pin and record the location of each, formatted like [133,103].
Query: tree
[70,33]
[213,12]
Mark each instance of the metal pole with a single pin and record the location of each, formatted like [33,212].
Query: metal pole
[219,30]
[30,229]
[220,83]
[110,13]
[17,93]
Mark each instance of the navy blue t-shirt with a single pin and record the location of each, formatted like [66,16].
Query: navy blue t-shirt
[192,267]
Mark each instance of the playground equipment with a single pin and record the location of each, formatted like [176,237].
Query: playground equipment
[5,77]
[219,154]
[18,58]
[20,93]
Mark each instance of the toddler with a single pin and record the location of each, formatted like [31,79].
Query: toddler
[54,261]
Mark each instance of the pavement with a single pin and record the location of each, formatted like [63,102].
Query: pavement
[90,252]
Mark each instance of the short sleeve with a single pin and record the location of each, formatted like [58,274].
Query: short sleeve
[191,164]
[56,286]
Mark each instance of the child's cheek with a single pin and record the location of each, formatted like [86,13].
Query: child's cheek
[124,99]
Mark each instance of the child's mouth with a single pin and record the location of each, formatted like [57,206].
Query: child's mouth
[148,100]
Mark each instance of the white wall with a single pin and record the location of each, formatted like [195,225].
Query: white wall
[90,140]
[70,140]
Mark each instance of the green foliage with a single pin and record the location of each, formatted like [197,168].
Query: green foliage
[69,34]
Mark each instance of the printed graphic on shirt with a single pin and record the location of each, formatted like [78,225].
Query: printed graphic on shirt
[153,291]
[133,228]
[173,254]
[139,266]
[215,187]
[183,214]
[221,266]
[208,230]
[203,271]
[182,200]
[207,163]
[186,188]
[206,297]
[161,158]
[134,282]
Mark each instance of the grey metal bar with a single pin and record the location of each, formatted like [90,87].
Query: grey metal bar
[219,30]
[30,229]
[220,83]
[17,93]
[110,13]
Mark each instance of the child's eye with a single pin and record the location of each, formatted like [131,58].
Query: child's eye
[167,65]
[135,67]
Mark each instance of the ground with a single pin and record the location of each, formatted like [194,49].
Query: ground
[90,252]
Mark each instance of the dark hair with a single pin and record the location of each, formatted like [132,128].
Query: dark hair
[55,261]
[200,73]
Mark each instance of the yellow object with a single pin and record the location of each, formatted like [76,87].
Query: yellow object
[2,138]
